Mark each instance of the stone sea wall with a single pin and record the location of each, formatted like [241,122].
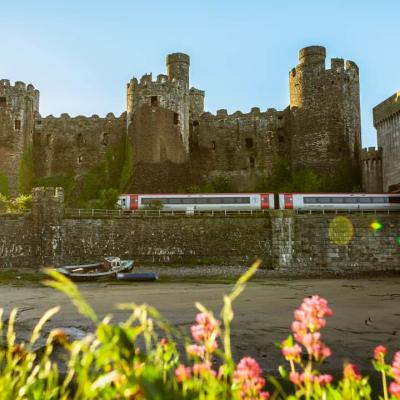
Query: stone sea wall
[288,242]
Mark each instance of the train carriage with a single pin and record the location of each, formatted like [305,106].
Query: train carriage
[339,201]
[199,201]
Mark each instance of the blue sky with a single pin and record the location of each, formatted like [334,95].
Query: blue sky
[81,54]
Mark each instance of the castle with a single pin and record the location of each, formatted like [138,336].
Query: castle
[174,143]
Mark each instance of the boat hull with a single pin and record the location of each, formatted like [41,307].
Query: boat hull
[82,273]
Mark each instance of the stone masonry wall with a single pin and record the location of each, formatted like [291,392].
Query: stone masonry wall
[288,242]
[17,244]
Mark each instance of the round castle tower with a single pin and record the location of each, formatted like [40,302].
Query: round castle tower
[158,113]
[325,109]
[18,106]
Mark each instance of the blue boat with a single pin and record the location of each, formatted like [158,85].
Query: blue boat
[138,277]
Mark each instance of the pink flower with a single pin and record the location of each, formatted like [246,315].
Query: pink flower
[206,331]
[394,389]
[164,342]
[182,373]
[396,367]
[352,372]
[380,352]
[196,350]
[324,379]
[309,319]
[295,378]
[291,352]
[248,376]
[203,368]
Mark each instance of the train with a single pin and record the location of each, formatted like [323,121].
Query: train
[261,201]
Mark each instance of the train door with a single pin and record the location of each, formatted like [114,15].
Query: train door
[288,199]
[264,201]
[134,200]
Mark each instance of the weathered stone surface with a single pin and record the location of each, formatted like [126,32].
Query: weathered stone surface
[169,131]
[288,242]
[387,124]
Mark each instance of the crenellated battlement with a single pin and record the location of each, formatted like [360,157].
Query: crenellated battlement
[161,83]
[40,194]
[66,116]
[18,86]
[255,112]
[371,153]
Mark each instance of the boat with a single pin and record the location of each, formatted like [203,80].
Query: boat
[108,268]
[139,277]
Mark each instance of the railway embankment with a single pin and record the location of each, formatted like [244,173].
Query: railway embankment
[288,242]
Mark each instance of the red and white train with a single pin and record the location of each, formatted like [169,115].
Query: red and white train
[262,201]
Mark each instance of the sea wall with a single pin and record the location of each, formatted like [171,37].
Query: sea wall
[288,242]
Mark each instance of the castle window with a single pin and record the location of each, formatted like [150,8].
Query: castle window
[3,101]
[252,162]
[79,139]
[195,123]
[48,139]
[39,122]
[249,143]
[17,125]
[281,139]
[104,140]
[80,159]
[176,118]
[213,145]
[154,101]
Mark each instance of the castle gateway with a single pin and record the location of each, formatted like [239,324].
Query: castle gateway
[165,141]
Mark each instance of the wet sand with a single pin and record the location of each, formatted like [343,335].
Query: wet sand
[366,311]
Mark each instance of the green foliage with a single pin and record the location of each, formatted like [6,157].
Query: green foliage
[218,184]
[19,204]
[4,202]
[4,186]
[138,359]
[25,172]
[345,178]
[127,169]
[64,181]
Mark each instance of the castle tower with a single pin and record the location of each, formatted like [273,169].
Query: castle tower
[158,113]
[325,109]
[18,106]
[178,67]
[371,166]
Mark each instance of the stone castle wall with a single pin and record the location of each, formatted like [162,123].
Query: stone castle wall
[181,145]
[74,145]
[325,106]
[387,124]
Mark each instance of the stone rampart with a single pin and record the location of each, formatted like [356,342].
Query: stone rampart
[288,242]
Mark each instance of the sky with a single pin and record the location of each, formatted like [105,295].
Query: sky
[80,54]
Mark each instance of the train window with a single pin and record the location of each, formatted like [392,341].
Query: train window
[378,200]
[310,200]
[323,200]
[201,200]
[351,200]
[337,200]
[394,199]
[365,199]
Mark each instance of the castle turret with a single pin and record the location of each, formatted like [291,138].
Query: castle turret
[178,67]
[371,166]
[18,106]
[325,108]
[196,103]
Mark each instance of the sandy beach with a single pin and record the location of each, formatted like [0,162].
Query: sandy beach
[366,311]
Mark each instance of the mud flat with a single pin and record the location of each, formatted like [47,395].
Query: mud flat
[366,311]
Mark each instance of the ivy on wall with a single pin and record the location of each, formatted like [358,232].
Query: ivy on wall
[101,185]
[25,172]
[4,185]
